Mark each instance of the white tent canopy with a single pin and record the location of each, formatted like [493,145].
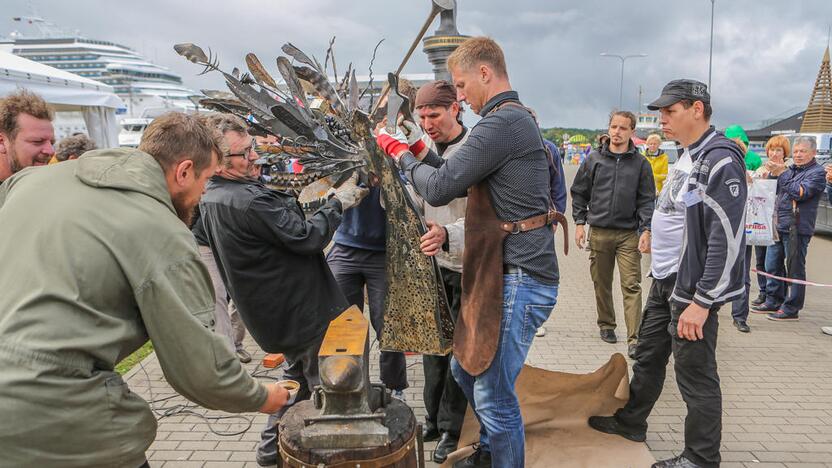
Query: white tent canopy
[65,92]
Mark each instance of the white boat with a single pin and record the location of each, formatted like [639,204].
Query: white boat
[131,131]
[140,83]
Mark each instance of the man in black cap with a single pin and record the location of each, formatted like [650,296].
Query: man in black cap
[681,315]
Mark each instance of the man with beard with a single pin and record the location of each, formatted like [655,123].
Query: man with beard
[271,259]
[88,277]
[26,134]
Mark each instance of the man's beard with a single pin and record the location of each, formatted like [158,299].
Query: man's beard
[183,210]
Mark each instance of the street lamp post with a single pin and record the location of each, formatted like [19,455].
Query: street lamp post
[623,59]
[711,53]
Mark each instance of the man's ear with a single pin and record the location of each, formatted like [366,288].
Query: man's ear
[485,73]
[184,172]
[699,109]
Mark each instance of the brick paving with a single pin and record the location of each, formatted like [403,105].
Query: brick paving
[776,383]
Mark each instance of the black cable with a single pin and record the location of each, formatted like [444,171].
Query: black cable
[187,408]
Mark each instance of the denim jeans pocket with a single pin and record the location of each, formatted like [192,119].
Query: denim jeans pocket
[533,318]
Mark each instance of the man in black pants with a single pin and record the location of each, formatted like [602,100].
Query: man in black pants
[681,314]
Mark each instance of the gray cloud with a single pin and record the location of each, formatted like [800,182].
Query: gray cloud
[766,52]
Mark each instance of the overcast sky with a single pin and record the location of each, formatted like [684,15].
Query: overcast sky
[766,52]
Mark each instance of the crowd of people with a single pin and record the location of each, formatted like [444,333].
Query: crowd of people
[180,242]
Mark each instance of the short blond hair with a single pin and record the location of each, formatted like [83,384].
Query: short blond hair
[654,137]
[175,137]
[476,51]
[779,141]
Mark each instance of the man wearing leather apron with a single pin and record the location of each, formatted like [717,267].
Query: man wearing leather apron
[510,271]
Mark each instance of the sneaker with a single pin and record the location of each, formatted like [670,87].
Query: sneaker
[742,326]
[761,298]
[826,330]
[764,308]
[399,394]
[610,425]
[540,332]
[677,462]
[608,335]
[781,316]
[631,351]
[478,459]
[244,356]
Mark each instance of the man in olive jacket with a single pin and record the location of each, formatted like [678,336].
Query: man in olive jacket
[87,278]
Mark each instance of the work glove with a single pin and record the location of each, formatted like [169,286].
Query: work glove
[414,136]
[393,145]
[349,193]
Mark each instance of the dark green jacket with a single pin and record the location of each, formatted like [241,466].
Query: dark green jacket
[95,262]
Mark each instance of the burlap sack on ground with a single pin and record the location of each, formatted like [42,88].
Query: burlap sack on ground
[555,407]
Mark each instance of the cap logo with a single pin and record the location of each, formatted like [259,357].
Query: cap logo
[699,90]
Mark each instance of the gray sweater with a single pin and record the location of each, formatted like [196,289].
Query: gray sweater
[506,151]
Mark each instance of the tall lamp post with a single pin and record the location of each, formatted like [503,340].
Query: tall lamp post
[623,59]
[711,53]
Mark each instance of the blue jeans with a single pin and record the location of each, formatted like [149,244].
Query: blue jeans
[788,297]
[527,303]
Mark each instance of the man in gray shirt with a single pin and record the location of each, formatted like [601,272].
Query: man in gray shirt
[510,274]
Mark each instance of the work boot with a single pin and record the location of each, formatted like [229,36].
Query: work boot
[678,462]
[446,445]
[610,425]
[430,433]
[761,298]
[742,326]
[478,459]
[608,335]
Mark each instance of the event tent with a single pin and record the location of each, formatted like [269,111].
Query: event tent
[65,92]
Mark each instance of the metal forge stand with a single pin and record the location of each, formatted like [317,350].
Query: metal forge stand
[349,421]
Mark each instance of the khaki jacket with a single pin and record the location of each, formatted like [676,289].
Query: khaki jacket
[94,262]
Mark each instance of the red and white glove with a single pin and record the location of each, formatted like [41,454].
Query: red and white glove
[393,145]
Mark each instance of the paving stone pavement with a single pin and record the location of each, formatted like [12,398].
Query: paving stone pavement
[776,382]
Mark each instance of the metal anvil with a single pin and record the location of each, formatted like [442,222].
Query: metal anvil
[352,409]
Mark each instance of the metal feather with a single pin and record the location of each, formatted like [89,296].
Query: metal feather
[322,86]
[258,71]
[195,54]
[298,55]
[291,79]
[353,94]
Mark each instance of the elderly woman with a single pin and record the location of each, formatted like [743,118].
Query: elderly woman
[657,159]
[72,147]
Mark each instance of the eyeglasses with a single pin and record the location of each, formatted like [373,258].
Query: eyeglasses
[245,153]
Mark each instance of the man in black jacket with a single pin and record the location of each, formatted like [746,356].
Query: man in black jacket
[271,261]
[615,193]
[682,318]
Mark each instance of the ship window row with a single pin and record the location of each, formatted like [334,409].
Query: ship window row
[61,57]
[79,65]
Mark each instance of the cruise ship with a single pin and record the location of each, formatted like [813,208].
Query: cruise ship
[145,88]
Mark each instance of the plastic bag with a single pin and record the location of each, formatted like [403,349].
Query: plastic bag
[759,212]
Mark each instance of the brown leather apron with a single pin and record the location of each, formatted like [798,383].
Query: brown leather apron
[477,331]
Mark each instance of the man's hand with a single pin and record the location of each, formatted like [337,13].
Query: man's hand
[276,398]
[349,194]
[433,240]
[393,145]
[774,168]
[829,174]
[414,138]
[691,322]
[580,236]
[644,242]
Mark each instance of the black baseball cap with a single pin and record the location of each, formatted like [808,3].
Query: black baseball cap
[680,90]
